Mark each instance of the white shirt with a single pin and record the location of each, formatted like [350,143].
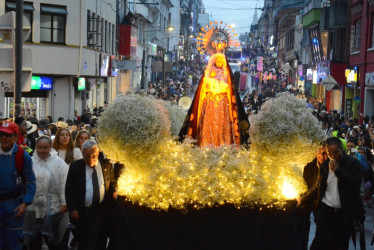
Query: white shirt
[89,187]
[50,174]
[77,154]
[331,197]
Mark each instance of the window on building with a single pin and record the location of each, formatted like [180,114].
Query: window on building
[140,32]
[52,24]
[98,33]
[90,29]
[290,40]
[110,38]
[28,11]
[356,35]
[114,40]
[107,35]
[102,21]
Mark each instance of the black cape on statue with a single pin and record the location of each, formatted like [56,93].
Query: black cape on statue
[191,123]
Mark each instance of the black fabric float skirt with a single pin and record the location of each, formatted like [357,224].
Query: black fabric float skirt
[223,227]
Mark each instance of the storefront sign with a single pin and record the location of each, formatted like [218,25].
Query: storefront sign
[128,40]
[348,108]
[104,65]
[315,77]
[309,74]
[41,83]
[323,69]
[301,70]
[352,75]
[81,83]
[152,49]
[126,64]
[113,66]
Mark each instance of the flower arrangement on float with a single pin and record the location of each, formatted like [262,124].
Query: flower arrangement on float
[162,173]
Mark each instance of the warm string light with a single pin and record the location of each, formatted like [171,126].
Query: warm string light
[162,173]
[207,177]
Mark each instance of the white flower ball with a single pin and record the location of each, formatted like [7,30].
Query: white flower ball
[286,130]
[132,125]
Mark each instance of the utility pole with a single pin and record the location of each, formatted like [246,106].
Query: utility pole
[142,81]
[163,68]
[18,59]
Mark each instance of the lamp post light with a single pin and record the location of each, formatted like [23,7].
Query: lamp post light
[188,47]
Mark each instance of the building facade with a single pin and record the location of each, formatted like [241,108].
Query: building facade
[70,43]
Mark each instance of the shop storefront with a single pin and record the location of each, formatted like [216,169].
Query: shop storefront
[318,90]
[309,81]
[34,102]
[352,93]
[369,95]
[334,94]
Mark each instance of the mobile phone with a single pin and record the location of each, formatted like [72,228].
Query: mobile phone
[354,150]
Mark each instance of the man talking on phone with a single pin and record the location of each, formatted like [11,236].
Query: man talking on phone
[340,206]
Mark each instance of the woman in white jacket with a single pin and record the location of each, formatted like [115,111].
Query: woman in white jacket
[46,216]
[64,145]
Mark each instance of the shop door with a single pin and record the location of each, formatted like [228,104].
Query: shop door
[369,102]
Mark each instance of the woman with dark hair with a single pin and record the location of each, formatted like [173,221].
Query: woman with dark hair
[81,137]
[64,146]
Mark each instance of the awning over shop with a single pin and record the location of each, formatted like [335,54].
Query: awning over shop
[330,83]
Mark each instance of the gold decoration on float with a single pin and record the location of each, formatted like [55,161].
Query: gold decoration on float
[215,38]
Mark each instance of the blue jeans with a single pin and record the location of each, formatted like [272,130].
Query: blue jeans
[11,236]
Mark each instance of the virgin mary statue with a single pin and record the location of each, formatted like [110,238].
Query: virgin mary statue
[216,116]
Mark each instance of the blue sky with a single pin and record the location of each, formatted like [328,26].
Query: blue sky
[239,12]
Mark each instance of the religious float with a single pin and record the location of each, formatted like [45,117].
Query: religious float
[194,182]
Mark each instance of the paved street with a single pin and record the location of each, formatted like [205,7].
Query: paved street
[369,225]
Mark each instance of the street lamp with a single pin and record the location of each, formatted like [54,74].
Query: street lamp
[188,47]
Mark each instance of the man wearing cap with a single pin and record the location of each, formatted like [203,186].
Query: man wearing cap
[43,127]
[17,187]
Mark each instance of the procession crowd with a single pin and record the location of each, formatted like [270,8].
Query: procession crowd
[58,182]
[40,192]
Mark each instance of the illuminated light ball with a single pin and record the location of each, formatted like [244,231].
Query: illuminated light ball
[289,191]
[131,125]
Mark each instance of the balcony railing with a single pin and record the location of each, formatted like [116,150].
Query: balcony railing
[286,6]
[328,3]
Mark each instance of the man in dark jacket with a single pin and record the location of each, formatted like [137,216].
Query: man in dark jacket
[307,200]
[338,202]
[88,191]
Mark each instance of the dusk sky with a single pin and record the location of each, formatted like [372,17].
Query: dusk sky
[239,12]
